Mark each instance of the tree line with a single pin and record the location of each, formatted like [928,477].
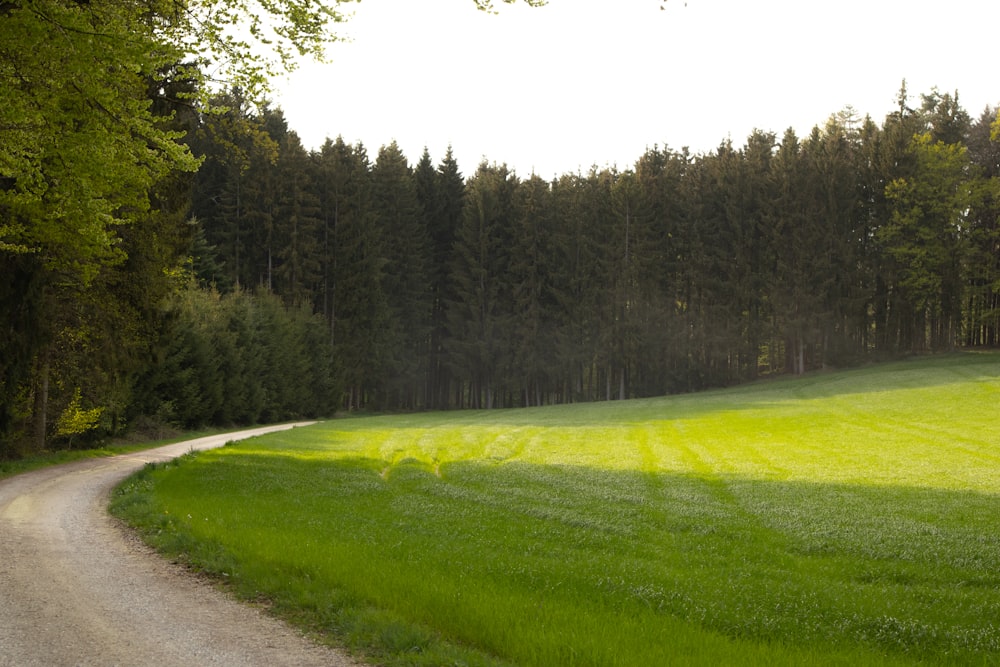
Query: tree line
[278,282]
[683,272]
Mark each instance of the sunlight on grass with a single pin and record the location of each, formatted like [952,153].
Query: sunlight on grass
[844,518]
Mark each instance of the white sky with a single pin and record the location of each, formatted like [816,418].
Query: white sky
[583,82]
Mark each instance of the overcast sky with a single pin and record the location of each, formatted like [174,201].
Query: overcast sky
[594,82]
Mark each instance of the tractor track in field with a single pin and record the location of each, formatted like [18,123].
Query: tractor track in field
[77,588]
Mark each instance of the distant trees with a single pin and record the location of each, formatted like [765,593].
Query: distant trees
[303,282]
[685,272]
[479,313]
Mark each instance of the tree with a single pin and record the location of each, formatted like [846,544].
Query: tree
[80,147]
[889,156]
[441,193]
[621,264]
[479,315]
[399,217]
[533,307]
[82,142]
[354,301]
[810,222]
[234,197]
[86,136]
[662,360]
[982,325]
[927,239]
[572,277]
[80,151]
[296,271]
[88,130]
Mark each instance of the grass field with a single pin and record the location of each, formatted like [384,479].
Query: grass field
[842,518]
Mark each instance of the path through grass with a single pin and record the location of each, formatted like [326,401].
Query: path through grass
[844,518]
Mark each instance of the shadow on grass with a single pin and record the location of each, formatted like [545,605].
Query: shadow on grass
[617,565]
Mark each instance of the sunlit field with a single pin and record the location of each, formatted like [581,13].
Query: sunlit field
[843,518]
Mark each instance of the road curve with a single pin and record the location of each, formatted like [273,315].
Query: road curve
[77,589]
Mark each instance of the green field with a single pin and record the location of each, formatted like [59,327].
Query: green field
[842,518]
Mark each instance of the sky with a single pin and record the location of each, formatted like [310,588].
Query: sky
[581,83]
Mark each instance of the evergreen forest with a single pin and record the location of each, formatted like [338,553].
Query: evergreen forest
[276,282]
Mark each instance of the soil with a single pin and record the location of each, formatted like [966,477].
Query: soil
[77,588]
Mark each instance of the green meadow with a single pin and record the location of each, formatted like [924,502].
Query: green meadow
[850,517]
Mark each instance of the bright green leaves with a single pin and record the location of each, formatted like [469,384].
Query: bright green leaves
[251,41]
[488,6]
[80,146]
[75,420]
[927,235]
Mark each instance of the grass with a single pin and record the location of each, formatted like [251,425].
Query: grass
[44,459]
[842,518]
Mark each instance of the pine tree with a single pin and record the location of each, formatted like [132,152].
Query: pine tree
[398,213]
[479,314]
[297,271]
[897,323]
[532,326]
[625,268]
[441,193]
[572,276]
[669,181]
[799,284]
[233,195]
[354,302]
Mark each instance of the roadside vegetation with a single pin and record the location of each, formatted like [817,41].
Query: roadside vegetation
[135,443]
[839,518]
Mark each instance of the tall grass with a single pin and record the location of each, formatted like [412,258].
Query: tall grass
[844,518]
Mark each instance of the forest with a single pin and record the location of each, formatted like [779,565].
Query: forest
[275,282]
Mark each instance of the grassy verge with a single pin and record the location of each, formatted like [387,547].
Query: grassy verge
[846,518]
[51,458]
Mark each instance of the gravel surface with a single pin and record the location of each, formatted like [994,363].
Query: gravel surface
[77,589]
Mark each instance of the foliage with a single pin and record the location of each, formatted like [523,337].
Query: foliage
[926,237]
[75,421]
[97,98]
[80,147]
[488,6]
[841,518]
[238,359]
[685,272]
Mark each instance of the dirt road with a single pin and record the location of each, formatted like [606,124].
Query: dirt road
[76,589]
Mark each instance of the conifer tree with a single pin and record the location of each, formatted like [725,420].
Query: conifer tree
[441,193]
[356,305]
[400,218]
[664,334]
[572,276]
[296,274]
[479,314]
[532,326]
[233,196]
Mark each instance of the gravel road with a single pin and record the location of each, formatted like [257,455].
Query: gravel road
[77,589]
